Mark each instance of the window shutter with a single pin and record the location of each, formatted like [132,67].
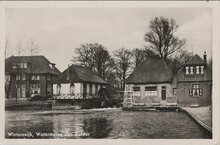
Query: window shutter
[190,92]
[200,92]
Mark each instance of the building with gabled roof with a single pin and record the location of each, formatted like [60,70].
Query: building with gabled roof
[27,76]
[193,82]
[151,83]
[79,74]
[78,86]
[78,80]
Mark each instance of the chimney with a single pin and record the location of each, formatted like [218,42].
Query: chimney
[205,57]
[68,73]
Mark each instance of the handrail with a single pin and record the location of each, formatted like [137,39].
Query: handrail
[76,96]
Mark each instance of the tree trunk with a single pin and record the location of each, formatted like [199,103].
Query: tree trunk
[124,73]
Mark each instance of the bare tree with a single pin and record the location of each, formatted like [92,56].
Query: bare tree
[138,56]
[123,59]
[180,58]
[7,48]
[94,56]
[84,55]
[19,48]
[161,37]
[33,47]
[19,51]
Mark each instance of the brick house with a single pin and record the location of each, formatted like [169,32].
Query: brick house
[150,83]
[193,83]
[27,76]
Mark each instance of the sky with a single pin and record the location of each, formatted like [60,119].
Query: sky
[57,31]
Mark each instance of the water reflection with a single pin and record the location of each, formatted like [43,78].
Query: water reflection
[109,123]
[97,127]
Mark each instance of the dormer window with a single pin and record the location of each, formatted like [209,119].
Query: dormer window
[187,70]
[24,65]
[197,69]
[191,70]
[202,69]
[19,65]
[14,65]
[52,66]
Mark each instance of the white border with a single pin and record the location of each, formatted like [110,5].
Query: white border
[118,4]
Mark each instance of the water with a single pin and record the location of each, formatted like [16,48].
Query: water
[101,123]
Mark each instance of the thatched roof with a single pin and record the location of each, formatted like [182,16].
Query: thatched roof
[151,71]
[79,74]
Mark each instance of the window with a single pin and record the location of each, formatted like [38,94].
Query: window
[52,66]
[19,65]
[23,90]
[72,88]
[14,65]
[150,91]
[23,77]
[187,70]
[35,77]
[18,77]
[202,69]
[128,88]
[90,88]
[58,89]
[174,91]
[191,70]
[197,69]
[196,90]
[18,91]
[25,65]
[137,91]
[49,89]
[96,88]
[35,88]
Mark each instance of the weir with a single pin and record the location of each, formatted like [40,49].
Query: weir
[77,101]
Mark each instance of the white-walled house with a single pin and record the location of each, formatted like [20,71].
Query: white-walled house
[77,82]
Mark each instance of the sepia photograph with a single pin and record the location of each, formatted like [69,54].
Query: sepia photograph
[108,73]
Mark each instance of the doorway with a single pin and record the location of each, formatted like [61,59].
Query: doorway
[163,93]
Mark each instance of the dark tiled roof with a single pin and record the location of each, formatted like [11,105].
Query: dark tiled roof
[196,59]
[79,74]
[180,77]
[151,71]
[36,64]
